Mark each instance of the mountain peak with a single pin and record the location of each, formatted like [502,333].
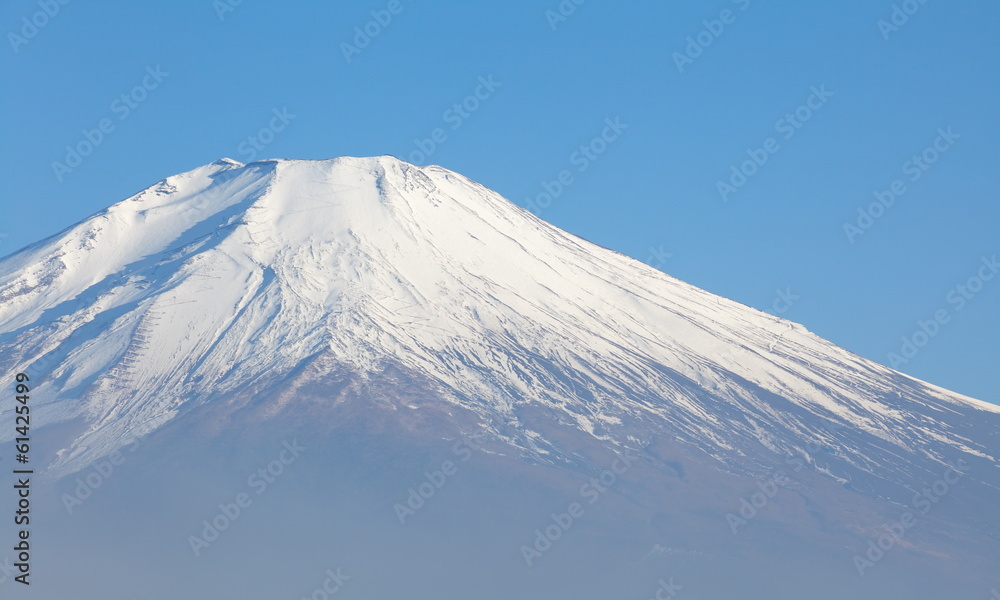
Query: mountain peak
[227,162]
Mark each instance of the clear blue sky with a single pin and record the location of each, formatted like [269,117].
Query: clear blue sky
[211,74]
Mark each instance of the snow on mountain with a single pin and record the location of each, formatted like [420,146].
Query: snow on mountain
[217,280]
[375,312]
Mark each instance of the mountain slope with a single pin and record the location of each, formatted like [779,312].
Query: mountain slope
[240,289]
[227,274]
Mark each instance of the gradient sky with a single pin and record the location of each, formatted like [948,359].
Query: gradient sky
[179,84]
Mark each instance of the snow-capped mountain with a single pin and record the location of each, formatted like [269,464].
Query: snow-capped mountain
[369,286]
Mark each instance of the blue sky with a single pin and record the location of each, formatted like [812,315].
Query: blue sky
[830,102]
